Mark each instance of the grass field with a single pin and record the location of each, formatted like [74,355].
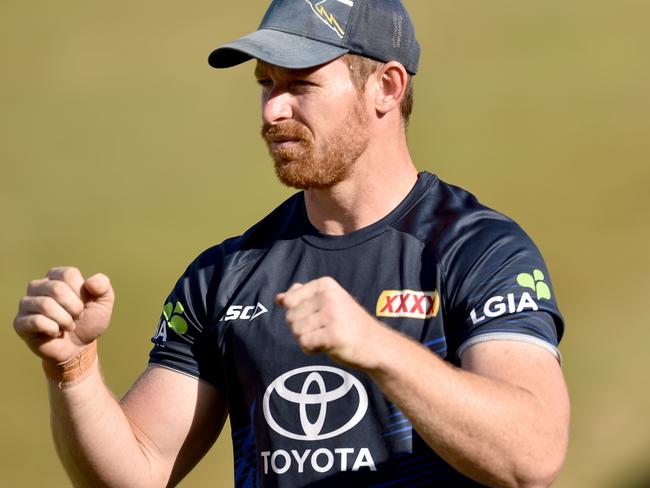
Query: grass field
[123,152]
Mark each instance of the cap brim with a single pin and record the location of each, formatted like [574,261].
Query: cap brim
[277,48]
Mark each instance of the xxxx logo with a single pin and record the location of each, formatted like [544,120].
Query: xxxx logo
[408,303]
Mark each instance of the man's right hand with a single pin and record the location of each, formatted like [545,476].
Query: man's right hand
[62,313]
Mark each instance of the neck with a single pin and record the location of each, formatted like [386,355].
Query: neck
[376,185]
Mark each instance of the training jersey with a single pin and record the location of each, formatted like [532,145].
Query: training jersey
[440,268]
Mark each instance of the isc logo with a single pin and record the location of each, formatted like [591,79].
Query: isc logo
[239,312]
[408,303]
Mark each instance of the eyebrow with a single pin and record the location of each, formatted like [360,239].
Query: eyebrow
[261,72]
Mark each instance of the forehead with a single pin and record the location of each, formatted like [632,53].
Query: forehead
[334,68]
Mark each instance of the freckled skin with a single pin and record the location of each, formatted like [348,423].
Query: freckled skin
[308,119]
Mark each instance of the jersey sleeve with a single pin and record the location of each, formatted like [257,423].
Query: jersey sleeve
[182,338]
[499,288]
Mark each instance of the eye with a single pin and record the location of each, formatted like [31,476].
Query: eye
[264,82]
[301,85]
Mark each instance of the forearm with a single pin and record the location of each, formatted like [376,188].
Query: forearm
[504,425]
[94,439]
[490,430]
[137,442]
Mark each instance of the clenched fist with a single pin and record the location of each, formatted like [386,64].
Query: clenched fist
[323,317]
[62,313]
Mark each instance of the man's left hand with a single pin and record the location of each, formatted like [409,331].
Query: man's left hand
[323,317]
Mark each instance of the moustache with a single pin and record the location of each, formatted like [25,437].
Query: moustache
[289,129]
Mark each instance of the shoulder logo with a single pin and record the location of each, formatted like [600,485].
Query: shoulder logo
[327,16]
[241,312]
[408,303]
[498,305]
[172,317]
[535,282]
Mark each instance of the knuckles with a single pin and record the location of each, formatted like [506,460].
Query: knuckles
[18,323]
[44,305]
[57,289]
[24,304]
[327,283]
[25,325]
[37,322]
[289,302]
[311,346]
[304,343]
[329,295]
[33,285]
[290,317]
[64,273]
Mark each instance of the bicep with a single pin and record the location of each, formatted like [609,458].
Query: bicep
[176,419]
[526,366]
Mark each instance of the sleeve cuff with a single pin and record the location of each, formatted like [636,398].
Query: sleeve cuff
[508,336]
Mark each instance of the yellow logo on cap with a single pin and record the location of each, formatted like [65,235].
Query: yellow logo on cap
[327,17]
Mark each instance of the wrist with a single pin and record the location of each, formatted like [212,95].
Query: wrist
[393,352]
[378,346]
[73,370]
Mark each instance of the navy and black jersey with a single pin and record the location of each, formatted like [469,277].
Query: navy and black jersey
[440,268]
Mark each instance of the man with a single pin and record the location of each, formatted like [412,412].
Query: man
[380,328]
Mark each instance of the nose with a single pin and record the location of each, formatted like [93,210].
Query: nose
[276,106]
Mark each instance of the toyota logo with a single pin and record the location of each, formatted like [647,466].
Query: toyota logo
[313,431]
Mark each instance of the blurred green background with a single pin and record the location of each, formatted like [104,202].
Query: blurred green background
[123,152]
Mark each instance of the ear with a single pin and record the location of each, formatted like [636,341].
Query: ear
[392,79]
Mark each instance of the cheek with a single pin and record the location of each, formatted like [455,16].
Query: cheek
[328,112]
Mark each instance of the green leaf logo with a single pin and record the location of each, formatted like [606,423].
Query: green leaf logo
[167,310]
[173,316]
[526,280]
[535,282]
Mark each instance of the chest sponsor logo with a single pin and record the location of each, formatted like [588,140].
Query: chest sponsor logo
[241,312]
[408,303]
[337,410]
[510,303]
[313,375]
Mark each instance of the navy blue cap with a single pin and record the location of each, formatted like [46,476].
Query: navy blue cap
[299,34]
